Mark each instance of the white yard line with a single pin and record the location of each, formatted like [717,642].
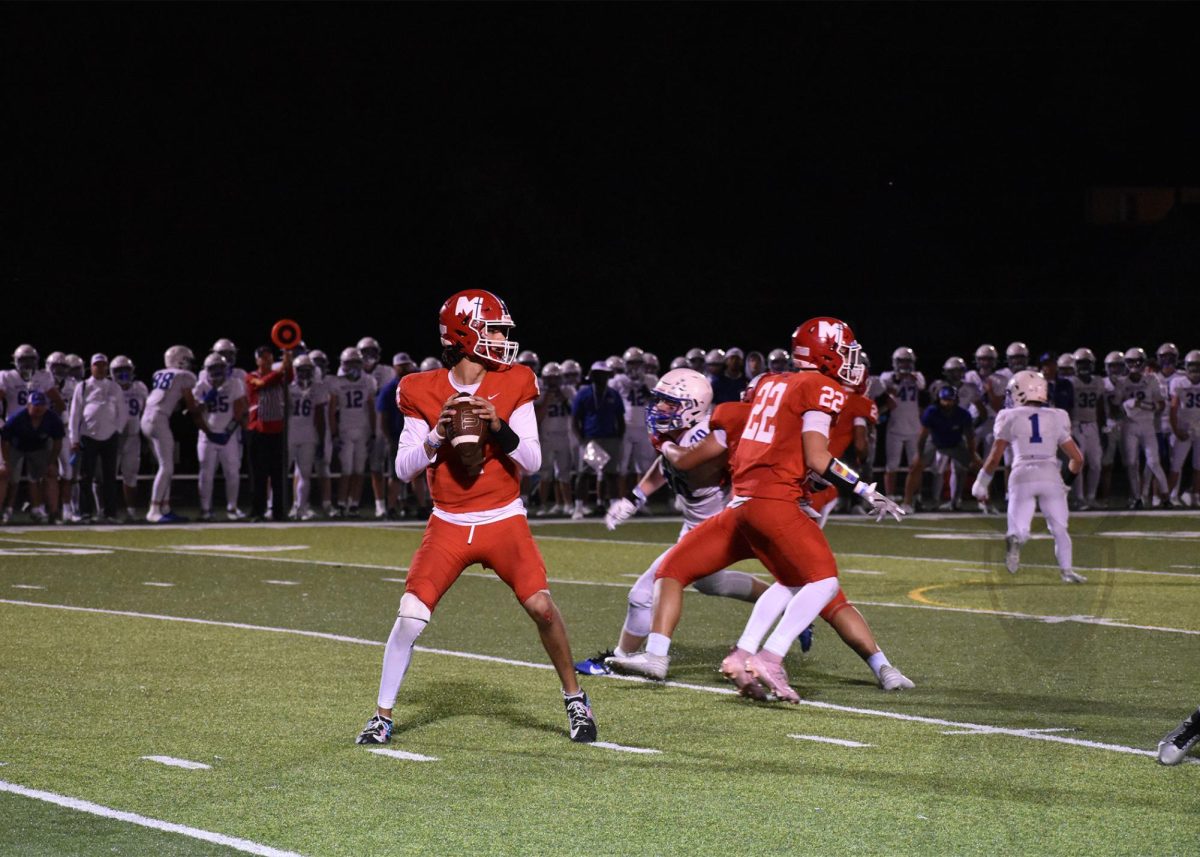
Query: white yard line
[171,761]
[723,691]
[156,583]
[841,742]
[621,748]
[403,754]
[26,586]
[283,582]
[1034,617]
[234,842]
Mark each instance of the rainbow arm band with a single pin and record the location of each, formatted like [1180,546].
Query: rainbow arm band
[845,474]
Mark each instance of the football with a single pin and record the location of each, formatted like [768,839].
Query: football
[467,435]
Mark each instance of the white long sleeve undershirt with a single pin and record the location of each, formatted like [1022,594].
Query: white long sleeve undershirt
[412,458]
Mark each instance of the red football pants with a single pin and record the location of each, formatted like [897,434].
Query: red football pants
[507,547]
[776,532]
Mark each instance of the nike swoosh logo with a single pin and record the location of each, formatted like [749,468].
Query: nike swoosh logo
[494,395]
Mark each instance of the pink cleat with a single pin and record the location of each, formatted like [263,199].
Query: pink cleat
[734,669]
[768,669]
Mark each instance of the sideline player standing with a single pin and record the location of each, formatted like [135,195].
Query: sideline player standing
[1036,433]
[478,515]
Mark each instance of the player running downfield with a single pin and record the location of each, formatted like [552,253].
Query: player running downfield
[786,435]
[1035,432]
[478,515]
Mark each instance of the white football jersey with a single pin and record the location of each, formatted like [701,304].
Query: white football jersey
[1116,413]
[1087,398]
[355,403]
[635,395]
[217,402]
[1034,433]
[905,417]
[67,390]
[1130,393]
[1188,396]
[17,390]
[699,504]
[135,403]
[557,420]
[166,389]
[383,375]
[302,426]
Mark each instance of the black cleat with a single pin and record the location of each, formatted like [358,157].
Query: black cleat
[1176,743]
[580,722]
[377,731]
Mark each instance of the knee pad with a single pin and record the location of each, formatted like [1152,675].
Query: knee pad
[641,594]
[412,607]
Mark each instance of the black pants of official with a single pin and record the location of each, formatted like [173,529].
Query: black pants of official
[266,463]
[104,453]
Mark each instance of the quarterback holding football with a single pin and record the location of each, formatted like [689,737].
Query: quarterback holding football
[474,476]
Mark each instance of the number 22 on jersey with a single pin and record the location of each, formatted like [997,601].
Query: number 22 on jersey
[761,424]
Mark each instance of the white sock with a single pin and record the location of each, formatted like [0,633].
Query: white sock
[877,662]
[396,658]
[619,652]
[767,609]
[658,644]
[380,507]
[803,608]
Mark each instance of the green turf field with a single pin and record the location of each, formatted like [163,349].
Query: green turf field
[1032,728]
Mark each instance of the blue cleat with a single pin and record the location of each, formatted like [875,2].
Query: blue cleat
[172,518]
[595,665]
[806,639]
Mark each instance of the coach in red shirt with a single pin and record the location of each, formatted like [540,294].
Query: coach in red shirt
[265,389]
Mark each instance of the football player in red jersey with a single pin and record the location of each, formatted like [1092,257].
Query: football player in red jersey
[478,515]
[719,446]
[786,435]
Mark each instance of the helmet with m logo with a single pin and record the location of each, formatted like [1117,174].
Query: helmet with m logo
[470,321]
[828,346]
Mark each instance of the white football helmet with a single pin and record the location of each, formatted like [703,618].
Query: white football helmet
[904,360]
[651,362]
[1167,354]
[680,399]
[615,364]
[1135,360]
[777,360]
[695,358]
[1016,356]
[954,369]
[25,358]
[226,349]
[714,361]
[368,350]
[305,370]
[530,359]
[75,366]
[1085,362]
[634,359]
[986,357]
[216,370]
[351,363]
[121,370]
[1191,364]
[430,363]
[572,372]
[320,360]
[680,362]
[179,357]
[1066,365]
[1028,387]
[57,365]
[552,375]
[1114,364]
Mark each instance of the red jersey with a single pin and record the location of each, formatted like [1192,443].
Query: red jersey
[841,433]
[421,396]
[770,456]
[730,417]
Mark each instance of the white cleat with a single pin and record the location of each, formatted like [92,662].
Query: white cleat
[641,663]
[906,508]
[1072,577]
[1012,554]
[891,678]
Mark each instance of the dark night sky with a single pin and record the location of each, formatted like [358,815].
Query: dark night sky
[665,175]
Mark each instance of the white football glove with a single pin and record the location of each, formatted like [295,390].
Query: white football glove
[619,511]
[880,504]
[980,489]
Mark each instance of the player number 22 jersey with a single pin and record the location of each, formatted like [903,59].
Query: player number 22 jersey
[769,461]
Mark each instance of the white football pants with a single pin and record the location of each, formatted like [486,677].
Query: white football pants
[229,457]
[1051,497]
[158,431]
[1142,436]
[1087,438]
[301,455]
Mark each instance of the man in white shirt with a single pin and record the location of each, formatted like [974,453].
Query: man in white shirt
[96,419]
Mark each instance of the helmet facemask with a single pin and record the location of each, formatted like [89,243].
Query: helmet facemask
[852,371]
[304,376]
[667,413]
[26,366]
